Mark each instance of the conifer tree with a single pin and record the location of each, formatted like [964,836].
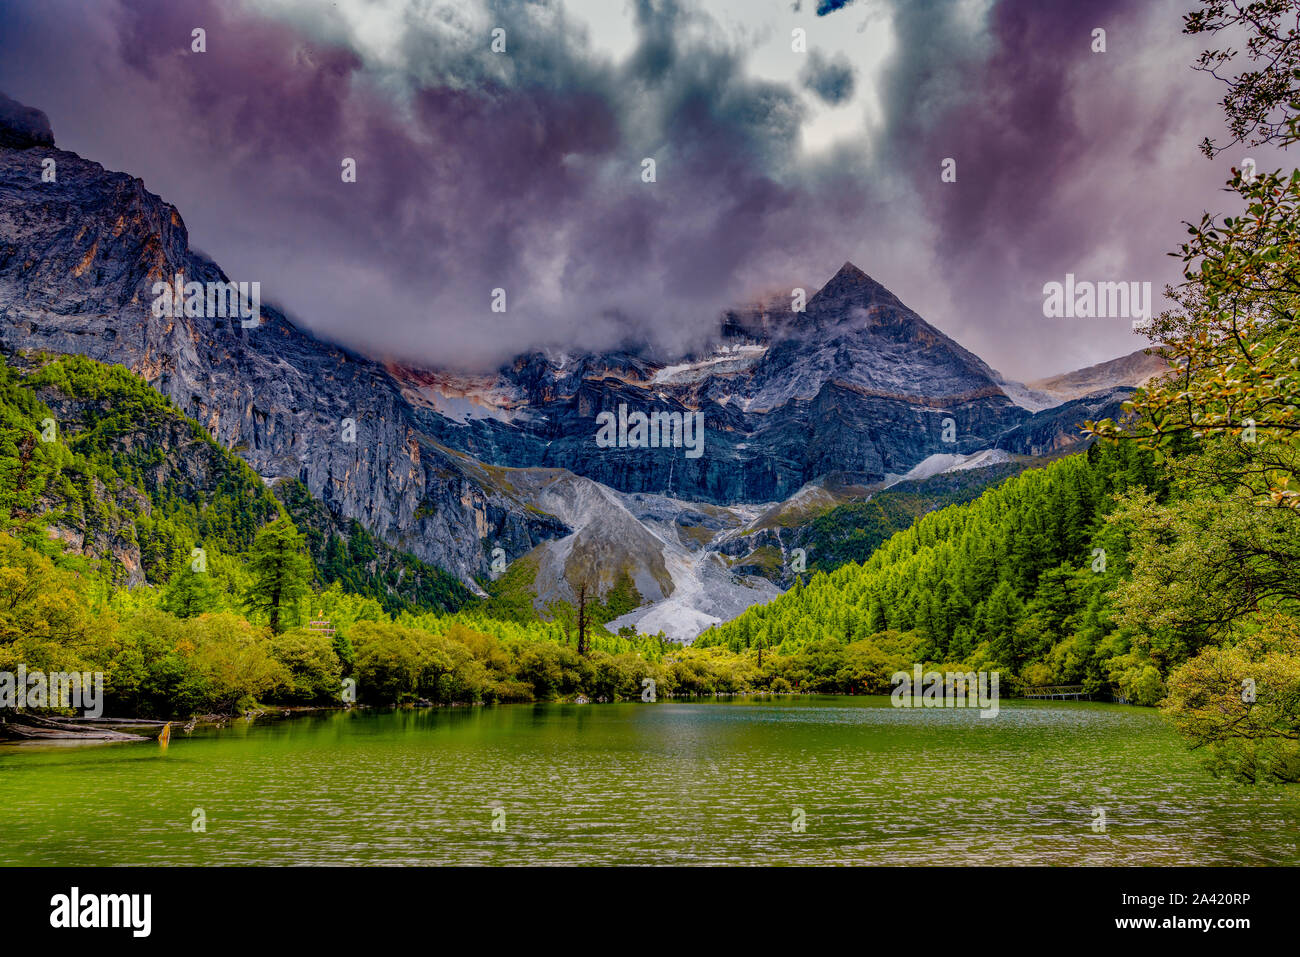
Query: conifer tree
[280,572]
[190,591]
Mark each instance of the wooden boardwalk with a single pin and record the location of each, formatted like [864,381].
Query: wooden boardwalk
[1062,692]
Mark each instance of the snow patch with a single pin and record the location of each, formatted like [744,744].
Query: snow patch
[726,359]
[464,409]
[1032,400]
[941,462]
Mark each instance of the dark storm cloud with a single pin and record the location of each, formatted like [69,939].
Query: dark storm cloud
[1008,115]
[523,170]
[831,78]
[830,6]
[1068,160]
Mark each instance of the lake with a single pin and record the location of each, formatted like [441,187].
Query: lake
[711,782]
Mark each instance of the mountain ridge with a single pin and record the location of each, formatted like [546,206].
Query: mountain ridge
[445,466]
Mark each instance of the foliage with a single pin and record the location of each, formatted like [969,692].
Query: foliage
[1258,99]
[190,591]
[1212,599]
[44,622]
[280,573]
[1206,559]
[1022,575]
[1241,703]
[312,666]
[346,554]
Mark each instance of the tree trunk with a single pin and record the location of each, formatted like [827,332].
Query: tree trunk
[34,727]
[582,619]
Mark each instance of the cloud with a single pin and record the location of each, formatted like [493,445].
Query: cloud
[830,6]
[523,170]
[830,78]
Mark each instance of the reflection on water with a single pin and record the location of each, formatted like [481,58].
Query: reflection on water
[666,783]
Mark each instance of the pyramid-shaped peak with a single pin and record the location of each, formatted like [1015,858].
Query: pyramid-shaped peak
[851,284]
[851,277]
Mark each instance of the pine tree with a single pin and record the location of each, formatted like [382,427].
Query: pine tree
[877,619]
[280,572]
[1001,614]
[189,592]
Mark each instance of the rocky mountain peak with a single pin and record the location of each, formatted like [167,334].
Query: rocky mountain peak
[850,273]
[22,127]
[1130,371]
[852,288]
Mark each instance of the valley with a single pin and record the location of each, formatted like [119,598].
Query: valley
[800,412]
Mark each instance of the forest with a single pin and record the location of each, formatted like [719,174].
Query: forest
[1019,581]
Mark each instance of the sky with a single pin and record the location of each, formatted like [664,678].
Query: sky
[522,170]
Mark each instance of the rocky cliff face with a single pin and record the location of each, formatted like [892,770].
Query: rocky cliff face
[22,127]
[856,383]
[1058,429]
[78,260]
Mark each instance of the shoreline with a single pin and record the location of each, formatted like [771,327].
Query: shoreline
[41,729]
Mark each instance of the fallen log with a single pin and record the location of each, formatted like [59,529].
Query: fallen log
[30,727]
[129,722]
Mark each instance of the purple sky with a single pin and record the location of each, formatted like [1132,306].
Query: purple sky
[478,170]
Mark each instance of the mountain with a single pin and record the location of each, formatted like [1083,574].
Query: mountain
[22,127]
[121,478]
[802,411]
[856,383]
[1056,430]
[659,557]
[1131,371]
[78,260]
[1008,582]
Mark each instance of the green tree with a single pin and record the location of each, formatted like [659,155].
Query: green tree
[312,666]
[1241,703]
[190,590]
[1000,618]
[280,572]
[44,621]
[232,662]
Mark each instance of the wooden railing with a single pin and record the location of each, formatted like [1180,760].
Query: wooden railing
[1057,691]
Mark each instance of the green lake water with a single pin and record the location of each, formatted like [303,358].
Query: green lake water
[666,783]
